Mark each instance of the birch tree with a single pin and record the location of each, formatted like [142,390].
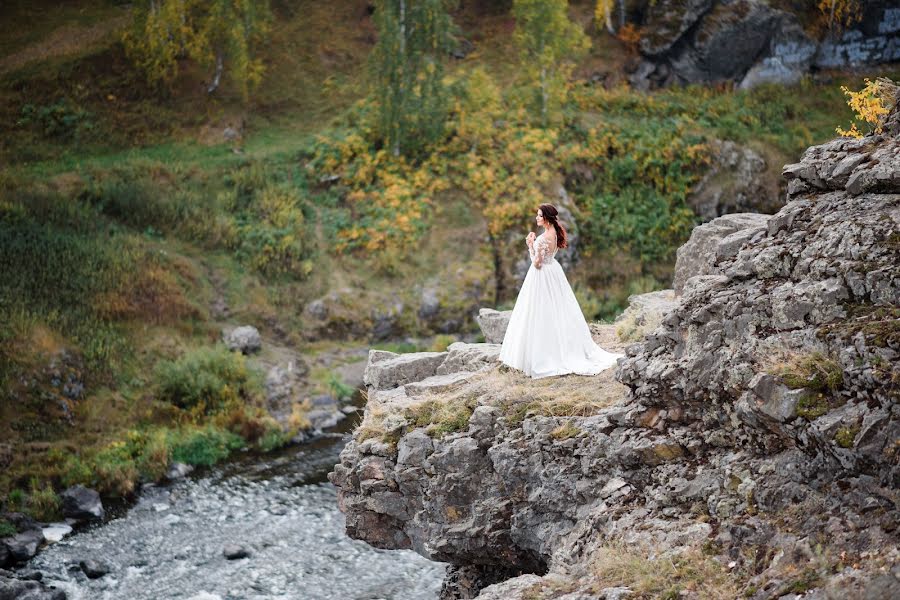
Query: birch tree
[548,41]
[413,39]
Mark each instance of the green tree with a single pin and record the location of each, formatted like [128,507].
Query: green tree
[548,40]
[413,39]
[215,33]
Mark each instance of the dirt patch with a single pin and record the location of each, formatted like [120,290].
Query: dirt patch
[67,40]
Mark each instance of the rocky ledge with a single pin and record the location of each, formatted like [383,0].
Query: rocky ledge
[747,446]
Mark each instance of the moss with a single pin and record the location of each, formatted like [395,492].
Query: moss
[879,325]
[846,435]
[6,528]
[815,371]
[812,406]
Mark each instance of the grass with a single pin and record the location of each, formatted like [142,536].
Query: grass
[816,372]
[669,576]
[517,396]
[7,529]
[124,218]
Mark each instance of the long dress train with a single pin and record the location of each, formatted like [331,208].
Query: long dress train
[547,334]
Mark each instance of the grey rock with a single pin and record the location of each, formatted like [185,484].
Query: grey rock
[493,324]
[81,503]
[244,339]
[699,256]
[644,313]
[179,470]
[94,569]
[235,552]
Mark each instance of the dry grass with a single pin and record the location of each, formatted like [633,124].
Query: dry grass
[516,394]
[668,576]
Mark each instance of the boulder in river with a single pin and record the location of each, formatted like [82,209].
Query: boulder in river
[94,569]
[16,587]
[24,544]
[235,552]
[82,504]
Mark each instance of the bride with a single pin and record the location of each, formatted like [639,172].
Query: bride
[547,334]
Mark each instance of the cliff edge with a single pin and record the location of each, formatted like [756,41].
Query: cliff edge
[747,445]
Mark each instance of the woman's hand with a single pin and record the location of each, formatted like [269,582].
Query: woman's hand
[529,239]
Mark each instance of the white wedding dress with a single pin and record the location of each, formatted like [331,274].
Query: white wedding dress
[547,334]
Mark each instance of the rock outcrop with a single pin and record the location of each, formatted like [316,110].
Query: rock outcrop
[748,446]
[750,42]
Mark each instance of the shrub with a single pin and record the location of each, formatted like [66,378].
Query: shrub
[206,380]
[204,447]
[16,500]
[61,120]
[6,528]
[43,503]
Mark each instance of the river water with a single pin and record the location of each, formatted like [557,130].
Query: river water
[280,507]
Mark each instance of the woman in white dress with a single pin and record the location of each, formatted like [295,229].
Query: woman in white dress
[547,334]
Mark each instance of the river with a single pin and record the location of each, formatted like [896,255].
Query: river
[280,507]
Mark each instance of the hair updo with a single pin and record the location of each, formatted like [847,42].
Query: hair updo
[551,215]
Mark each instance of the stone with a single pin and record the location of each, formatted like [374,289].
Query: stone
[386,369]
[244,339]
[94,569]
[235,552]
[735,182]
[178,470]
[493,324]
[699,255]
[644,313]
[82,504]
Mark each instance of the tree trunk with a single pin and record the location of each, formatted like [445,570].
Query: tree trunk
[217,78]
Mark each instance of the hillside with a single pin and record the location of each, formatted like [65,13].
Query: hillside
[136,226]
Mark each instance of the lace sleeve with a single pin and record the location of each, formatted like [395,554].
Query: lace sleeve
[538,252]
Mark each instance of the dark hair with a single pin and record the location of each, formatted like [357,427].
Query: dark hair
[551,215]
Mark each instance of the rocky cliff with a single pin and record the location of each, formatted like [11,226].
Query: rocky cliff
[748,445]
[751,41]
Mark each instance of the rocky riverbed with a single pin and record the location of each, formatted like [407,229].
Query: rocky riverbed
[259,528]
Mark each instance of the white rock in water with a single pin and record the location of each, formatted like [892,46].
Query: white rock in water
[205,596]
[54,532]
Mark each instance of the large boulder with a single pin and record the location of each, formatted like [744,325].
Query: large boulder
[13,587]
[712,242]
[752,42]
[737,181]
[82,504]
[22,545]
[244,339]
[493,324]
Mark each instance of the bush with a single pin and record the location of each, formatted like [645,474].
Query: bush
[60,120]
[43,503]
[205,446]
[205,380]
[6,528]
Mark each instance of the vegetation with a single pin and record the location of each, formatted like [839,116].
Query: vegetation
[816,372]
[871,104]
[128,217]
[550,43]
[407,61]
[212,33]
